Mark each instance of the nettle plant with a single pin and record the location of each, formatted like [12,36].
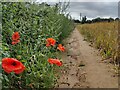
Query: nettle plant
[31,37]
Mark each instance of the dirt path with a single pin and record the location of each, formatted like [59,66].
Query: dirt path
[83,67]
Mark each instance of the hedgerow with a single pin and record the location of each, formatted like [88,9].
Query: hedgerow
[35,23]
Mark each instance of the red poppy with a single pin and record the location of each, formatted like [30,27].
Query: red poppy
[15,42]
[15,38]
[61,48]
[12,65]
[55,61]
[50,42]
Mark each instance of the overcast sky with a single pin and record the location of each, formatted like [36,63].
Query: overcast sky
[93,9]
[90,8]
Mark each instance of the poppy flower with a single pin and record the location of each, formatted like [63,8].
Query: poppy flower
[15,38]
[15,42]
[12,65]
[55,61]
[61,48]
[50,42]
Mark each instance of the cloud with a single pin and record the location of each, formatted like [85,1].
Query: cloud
[77,0]
[94,0]
[93,9]
[90,8]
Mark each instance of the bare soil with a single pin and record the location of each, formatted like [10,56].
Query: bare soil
[83,66]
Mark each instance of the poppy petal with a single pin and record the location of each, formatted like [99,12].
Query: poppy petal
[61,48]
[50,42]
[15,36]
[55,61]
[12,65]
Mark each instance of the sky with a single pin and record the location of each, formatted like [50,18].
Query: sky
[90,8]
[93,9]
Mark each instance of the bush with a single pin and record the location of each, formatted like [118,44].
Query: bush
[35,23]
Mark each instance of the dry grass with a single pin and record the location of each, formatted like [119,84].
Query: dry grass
[103,36]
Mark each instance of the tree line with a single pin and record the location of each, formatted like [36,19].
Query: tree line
[98,19]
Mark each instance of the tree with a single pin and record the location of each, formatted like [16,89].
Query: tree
[84,19]
[117,19]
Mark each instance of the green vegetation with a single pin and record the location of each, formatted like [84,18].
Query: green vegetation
[35,23]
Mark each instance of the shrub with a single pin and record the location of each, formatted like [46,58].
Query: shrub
[35,23]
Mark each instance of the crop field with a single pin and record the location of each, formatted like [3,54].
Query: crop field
[32,37]
[103,36]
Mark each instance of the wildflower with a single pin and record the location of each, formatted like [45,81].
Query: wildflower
[55,61]
[12,65]
[15,38]
[50,42]
[61,48]
[15,42]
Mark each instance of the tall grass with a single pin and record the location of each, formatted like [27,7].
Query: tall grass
[104,37]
